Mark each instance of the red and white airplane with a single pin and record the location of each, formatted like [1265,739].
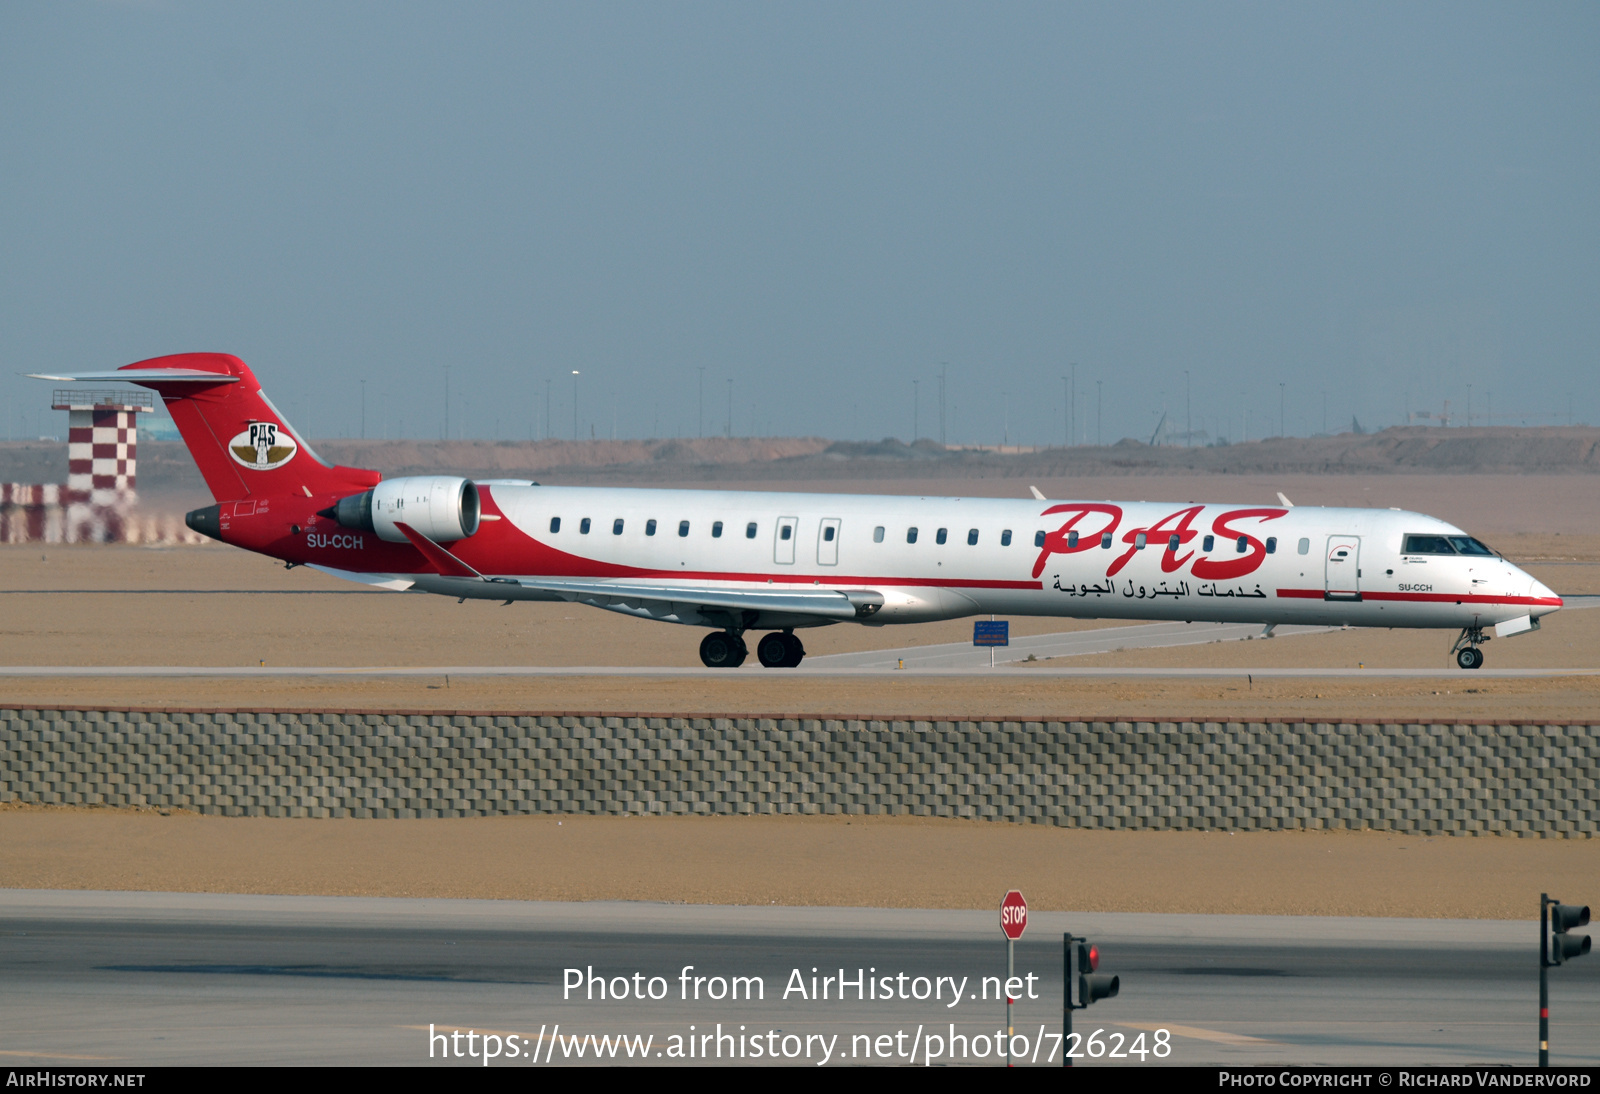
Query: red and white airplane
[737,561]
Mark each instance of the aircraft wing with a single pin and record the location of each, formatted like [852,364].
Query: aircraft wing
[827,603]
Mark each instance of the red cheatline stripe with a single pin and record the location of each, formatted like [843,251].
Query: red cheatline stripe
[1428,598]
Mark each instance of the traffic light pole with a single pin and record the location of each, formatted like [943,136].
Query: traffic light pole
[1066,999]
[1544,979]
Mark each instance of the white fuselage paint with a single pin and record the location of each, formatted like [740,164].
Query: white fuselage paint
[1297,583]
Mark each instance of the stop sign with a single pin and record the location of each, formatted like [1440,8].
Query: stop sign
[1013,915]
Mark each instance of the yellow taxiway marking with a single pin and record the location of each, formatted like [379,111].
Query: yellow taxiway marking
[1217,1035]
[50,1055]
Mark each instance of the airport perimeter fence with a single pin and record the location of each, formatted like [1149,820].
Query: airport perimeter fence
[1512,778]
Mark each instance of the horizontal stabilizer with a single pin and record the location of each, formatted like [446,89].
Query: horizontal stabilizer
[140,376]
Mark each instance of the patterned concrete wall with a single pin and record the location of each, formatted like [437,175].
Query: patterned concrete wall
[1464,778]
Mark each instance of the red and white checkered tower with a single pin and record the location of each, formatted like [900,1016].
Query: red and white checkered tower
[102,442]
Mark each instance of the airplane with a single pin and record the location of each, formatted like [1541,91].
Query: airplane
[735,562]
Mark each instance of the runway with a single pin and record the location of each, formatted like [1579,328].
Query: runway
[111,978]
[750,670]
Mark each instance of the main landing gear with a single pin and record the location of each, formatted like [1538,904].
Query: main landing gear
[780,650]
[723,650]
[1468,655]
[726,650]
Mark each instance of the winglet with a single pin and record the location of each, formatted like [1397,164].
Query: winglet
[1287,504]
[447,564]
[1035,491]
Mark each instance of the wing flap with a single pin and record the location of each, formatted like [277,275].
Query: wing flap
[825,603]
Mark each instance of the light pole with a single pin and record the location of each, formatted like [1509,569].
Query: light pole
[943,369]
[1066,414]
[1280,409]
[916,396]
[363,410]
[1188,426]
[728,432]
[1469,406]
[447,402]
[1099,437]
[548,383]
[702,389]
[1324,413]
[574,404]
[1073,400]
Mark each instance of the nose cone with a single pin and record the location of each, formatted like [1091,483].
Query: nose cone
[1545,600]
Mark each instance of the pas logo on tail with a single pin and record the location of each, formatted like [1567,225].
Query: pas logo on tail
[262,446]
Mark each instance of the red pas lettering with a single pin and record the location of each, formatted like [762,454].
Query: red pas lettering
[1227,566]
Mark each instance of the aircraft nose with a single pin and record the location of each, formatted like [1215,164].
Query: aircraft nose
[1539,591]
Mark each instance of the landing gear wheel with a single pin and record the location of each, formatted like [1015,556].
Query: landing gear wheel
[773,650]
[721,650]
[797,652]
[1470,657]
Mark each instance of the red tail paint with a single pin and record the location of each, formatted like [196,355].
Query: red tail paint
[243,446]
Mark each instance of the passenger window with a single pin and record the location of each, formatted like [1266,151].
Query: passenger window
[1072,540]
[555,525]
[750,530]
[1243,545]
[583,526]
[683,528]
[716,529]
[827,534]
[911,535]
[1211,541]
[616,527]
[1105,541]
[877,534]
[1272,545]
[972,538]
[649,528]
[1172,543]
[786,531]
[1005,538]
[1305,546]
[1038,539]
[1139,541]
[941,535]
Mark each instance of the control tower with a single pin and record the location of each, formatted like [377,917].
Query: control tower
[102,441]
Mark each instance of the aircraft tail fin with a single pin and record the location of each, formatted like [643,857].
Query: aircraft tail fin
[244,447]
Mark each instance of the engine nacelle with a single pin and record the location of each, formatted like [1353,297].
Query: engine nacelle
[442,507]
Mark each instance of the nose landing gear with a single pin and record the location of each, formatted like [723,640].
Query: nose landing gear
[1468,655]
[780,650]
[723,650]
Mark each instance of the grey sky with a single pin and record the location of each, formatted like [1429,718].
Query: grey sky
[819,202]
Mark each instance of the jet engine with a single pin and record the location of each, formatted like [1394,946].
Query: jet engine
[442,507]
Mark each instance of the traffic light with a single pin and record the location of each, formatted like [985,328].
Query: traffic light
[1556,947]
[1564,917]
[1092,985]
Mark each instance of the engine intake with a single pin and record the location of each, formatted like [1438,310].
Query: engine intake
[442,507]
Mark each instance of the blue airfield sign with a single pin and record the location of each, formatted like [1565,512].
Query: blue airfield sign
[991,632]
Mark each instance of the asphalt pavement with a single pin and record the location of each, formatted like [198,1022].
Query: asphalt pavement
[125,979]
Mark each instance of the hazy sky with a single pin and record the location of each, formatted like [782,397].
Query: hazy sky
[819,202]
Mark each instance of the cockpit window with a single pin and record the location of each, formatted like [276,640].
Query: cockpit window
[1429,545]
[1469,546]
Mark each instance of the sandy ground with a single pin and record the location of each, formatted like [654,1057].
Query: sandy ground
[871,861]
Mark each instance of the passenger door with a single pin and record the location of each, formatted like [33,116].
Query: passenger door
[828,542]
[1343,569]
[783,544]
